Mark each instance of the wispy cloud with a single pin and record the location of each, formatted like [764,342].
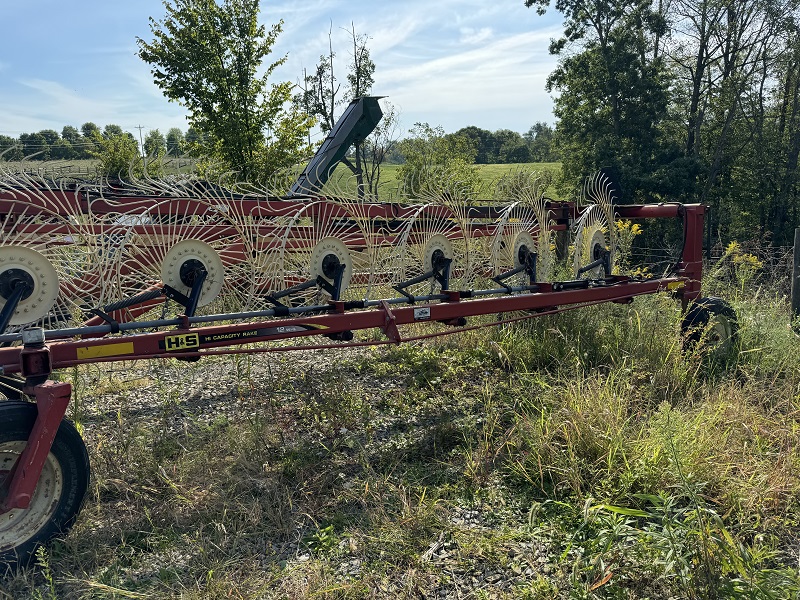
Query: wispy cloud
[479,63]
[388,36]
[472,36]
[52,105]
[63,99]
[497,85]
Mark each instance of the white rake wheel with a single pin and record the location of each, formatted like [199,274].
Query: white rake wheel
[185,260]
[518,231]
[328,257]
[431,233]
[311,242]
[594,235]
[21,266]
[172,239]
[595,230]
[67,251]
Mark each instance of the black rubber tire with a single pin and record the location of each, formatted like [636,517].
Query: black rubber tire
[712,322]
[65,476]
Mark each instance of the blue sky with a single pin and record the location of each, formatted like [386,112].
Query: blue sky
[445,62]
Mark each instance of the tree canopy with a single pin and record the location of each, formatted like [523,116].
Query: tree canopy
[155,145]
[438,163]
[691,100]
[207,56]
[119,156]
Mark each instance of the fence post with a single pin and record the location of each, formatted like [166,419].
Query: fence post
[796,281]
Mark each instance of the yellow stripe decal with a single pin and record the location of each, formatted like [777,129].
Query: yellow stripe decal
[105,350]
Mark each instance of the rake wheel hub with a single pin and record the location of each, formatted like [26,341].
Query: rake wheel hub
[524,244]
[522,254]
[11,279]
[189,271]
[438,259]
[437,250]
[330,265]
[598,244]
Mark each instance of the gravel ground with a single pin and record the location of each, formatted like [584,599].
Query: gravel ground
[180,396]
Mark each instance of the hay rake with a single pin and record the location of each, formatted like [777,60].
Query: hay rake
[184,269]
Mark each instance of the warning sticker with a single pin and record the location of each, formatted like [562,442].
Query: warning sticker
[422,314]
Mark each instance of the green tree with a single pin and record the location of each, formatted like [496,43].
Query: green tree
[509,147]
[378,147]
[62,150]
[175,142]
[360,79]
[71,134]
[89,129]
[320,97]
[320,90]
[785,205]
[195,143]
[118,155]
[112,130]
[540,142]
[90,132]
[10,149]
[35,146]
[50,136]
[728,64]
[207,57]
[155,145]
[438,164]
[482,140]
[612,93]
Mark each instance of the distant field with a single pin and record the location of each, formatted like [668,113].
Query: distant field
[84,167]
[341,182]
[52,168]
[489,174]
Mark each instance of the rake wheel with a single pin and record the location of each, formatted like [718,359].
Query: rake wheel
[25,267]
[328,257]
[432,233]
[518,232]
[174,238]
[62,255]
[594,238]
[185,260]
[309,243]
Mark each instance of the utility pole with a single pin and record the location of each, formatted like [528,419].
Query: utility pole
[141,145]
